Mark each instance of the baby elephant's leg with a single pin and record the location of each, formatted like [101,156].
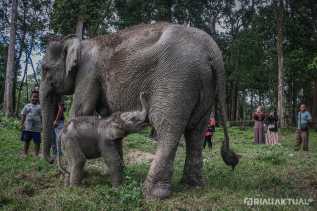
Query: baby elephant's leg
[113,161]
[76,162]
[67,180]
[64,148]
[76,172]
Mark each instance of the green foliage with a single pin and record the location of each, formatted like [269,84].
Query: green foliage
[65,15]
[9,122]
[312,67]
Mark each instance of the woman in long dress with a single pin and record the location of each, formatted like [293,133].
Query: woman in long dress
[272,129]
[258,118]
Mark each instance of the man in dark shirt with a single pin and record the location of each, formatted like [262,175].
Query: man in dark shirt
[58,126]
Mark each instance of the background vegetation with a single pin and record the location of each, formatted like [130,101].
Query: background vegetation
[246,30]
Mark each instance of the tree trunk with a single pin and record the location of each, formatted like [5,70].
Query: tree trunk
[294,97]
[5,59]
[34,72]
[314,107]
[8,91]
[236,102]
[21,84]
[212,26]
[80,28]
[252,104]
[280,60]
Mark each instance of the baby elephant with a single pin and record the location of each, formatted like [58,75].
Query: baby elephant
[88,137]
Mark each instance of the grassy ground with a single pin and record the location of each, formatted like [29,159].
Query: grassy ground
[264,172]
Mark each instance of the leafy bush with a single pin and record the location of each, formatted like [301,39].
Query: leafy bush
[9,122]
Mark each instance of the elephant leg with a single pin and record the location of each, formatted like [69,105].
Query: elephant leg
[113,161]
[85,99]
[192,174]
[119,148]
[76,172]
[67,176]
[67,180]
[76,162]
[158,182]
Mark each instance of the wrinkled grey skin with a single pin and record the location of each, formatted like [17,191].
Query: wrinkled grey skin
[88,137]
[180,67]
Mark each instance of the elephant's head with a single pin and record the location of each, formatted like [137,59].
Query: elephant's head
[58,78]
[134,121]
[119,124]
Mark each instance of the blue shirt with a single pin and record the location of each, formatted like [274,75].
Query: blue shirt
[302,119]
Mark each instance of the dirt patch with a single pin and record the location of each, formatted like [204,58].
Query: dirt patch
[137,156]
[130,158]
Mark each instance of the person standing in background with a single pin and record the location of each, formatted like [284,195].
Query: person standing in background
[31,124]
[272,128]
[302,132]
[258,118]
[210,131]
[58,126]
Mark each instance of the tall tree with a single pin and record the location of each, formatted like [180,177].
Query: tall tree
[279,15]
[72,16]
[80,27]
[3,62]
[10,71]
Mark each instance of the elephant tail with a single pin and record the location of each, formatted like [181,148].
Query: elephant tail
[59,157]
[229,156]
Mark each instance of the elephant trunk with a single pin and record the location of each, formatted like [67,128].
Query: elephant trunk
[144,103]
[48,103]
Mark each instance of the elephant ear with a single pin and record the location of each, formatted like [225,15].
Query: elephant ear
[72,54]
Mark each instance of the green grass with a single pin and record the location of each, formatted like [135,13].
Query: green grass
[264,172]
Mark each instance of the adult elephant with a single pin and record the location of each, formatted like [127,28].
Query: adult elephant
[177,66]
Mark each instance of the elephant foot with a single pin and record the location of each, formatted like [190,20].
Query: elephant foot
[156,191]
[193,181]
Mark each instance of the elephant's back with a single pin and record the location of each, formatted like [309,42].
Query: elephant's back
[163,54]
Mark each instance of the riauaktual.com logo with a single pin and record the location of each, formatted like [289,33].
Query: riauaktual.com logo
[277,201]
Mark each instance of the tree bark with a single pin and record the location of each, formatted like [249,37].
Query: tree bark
[212,26]
[5,57]
[314,107]
[279,10]
[80,28]
[10,73]
[252,104]
[21,84]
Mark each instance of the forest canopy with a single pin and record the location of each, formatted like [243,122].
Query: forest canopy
[246,31]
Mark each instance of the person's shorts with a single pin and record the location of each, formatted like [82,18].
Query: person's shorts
[28,135]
